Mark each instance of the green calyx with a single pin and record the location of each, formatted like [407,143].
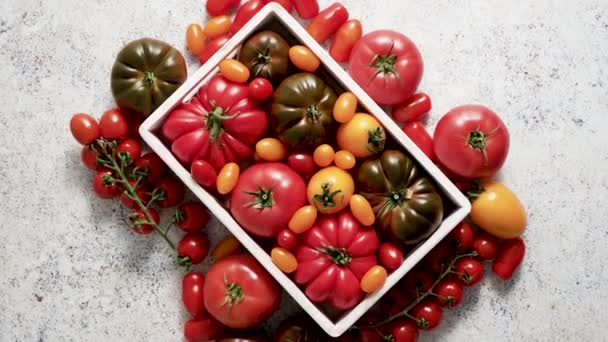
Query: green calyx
[149,78]
[476,190]
[385,64]
[234,294]
[339,256]
[215,121]
[313,112]
[376,140]
[326,199]
[262,199]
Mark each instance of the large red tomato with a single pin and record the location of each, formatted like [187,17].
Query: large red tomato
[471,141]
[265,198]
[335,254]
[240,293]
[220,124]
[387,65]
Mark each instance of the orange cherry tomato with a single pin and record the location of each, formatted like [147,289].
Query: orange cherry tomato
[323,155]
[284,260]
[218,26]
[330,189]
[195,39]
[303,219]
[498,211]
[234,70]
[363,135]
[271,149]
[373,279]
[345,160]
[345,107]
[303,58]
[227,247]
[227,178]
[347,36]
[362,210]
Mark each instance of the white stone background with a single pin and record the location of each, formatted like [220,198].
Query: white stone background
[71,271]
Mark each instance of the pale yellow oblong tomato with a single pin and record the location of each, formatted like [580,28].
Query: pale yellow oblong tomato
[363,135]
[271,149]
[373,279]
[195,39]
[217,26]
[330,189]
[303,58]
[284,260]
[234,70]
[323,155]
[303,219]
[362,210]
[345,160]
[227,178]
[498,211]
[345,107]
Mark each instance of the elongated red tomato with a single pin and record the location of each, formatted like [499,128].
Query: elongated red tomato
[245,13]
[327,22]
[346,37]
[287,4]
[416,131]
[306,8]
[413,108]
[203,173]
[213,47]
[192,294]
[202,330]
[302,163]
[220,7]
[509,258]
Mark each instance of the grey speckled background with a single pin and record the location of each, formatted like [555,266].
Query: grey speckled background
[71,271]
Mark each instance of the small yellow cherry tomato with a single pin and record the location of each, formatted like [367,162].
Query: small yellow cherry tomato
[363,135]
[345,160]
[303,58]
[362,210]
[303,219]
[284,260]
[498,211]
[227,178]
[373,279]
[323,155]
[218,26]
[234,70]
[195,39]
[330,189]
[227,247]
[271,149]
[345,107]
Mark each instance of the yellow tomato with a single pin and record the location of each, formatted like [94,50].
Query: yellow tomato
[225,248]
[218,26]
[284,260]
[303,58]
[363,135]
[498,211]
[323,155]
[227,178]
[330,189]
[362,210]
[303,219]
[373,279]
[345,160]
[271,149]
[195,39]
[234,70]
[345,107]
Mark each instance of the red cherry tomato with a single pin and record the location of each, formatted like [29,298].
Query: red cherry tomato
[134,120]
[152,166]
[449,292]
[413,108]
[462,237]
[173,191]
[193,248]
[137,219]
[440,257]
[192,294]
[260,89]
[245,13]
[404,329]
[347,36]
[85,128]
[220,7]
[427,314]
[213,47]
[287,239]
[327,22]
[302,163]
[89,158]
[469,271]
[391,255]
[129,146]
[113,125]
[142,192]
[417,282]
[191,216]
[419,135]
[306,8]
[486,246]
[202,330]
[509,258]
[203,173]
[102,184]
[287,4]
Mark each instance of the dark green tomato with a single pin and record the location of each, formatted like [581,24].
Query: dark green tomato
[302,109]
[298,328]
[406,204]
[266,54]
[146,72]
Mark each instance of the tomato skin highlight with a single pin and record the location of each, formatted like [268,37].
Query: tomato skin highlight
[192,294]
[469,270]
[419,135]
[245,13]
[203,173]
[404,329]
[196,41]
[412,109]
[498,211]
[260,89]
[449,292]
[427,314]
[220,7]
[327,22]
[284,260]
[302,163]
[362,210]
[130,146]
[486,246]
[306,9]
[303,58]
[234,70]
[212,47]
[84,128]
[390,255]
[509,258]
[194,247]
[346,37]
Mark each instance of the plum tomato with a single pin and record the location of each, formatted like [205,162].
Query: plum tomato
[346,37]
[287,4]
[227,178]
[220,7]
[84,128]
[302,163]
[113,125]
[203,173]
[420,136]
[218,26]
[412,109]
[284,260]
[390,255]
[260,89]
[234,70]
[196,41]
[327,22]
[306,9]
[509,258]
[303,58]
[139,223]
[449,292]
[191,216]
[345,107]
[171,191]
[192,248]
[192,294]
[373,279]
[427,314]
[104,184]
[345,160]
[245,13]
[362,210]
[271,149]
[486,246]
[212,47]
[469,271]
[152,166]
[303,219]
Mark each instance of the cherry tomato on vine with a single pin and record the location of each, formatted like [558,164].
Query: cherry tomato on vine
[227,247]
[192,294]
[113,125]
[220,7]
[103,186]
[469,271]
[153,167]
[303,58]
[227,178]
[203,173]
[245,13]
[260,89]
[417,283]
[287,4]
[89,158]
[440,257]
[204,329]
[284,260]
[138,219]
[462,237]
[234,70]
[403,329]
[196,41]
[327,22]
[323,155]
[271,149]
[486,246]
[390,255]
[419,135]
[173,191]
[346,37]
[84,128]
[306,8]
[191,216]
[218,26]
[427,314]
[509,258]
[129,146]
[362,210]
[302,163]
[345,160]
[345,107]
[212,47]
[142,192]
[412,109]
[303,219]
[193,248]
[287,239]
[373,279]
[449,292]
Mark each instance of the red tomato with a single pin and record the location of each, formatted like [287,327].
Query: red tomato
[134,120]
[213,47]
[387,65]
[192,294]
[220,7]
[138,221]
[287,239]
[440,257]
[462,237]
[191,216]
[413,108]
[391,255]
[103,186]
[203,173]
[203,330]
[245,13]
[335,254]
[287,4]
[427,314]
[193,248]
[113,125]
[306,8]
[404,329]
[260,89]
[346,37]
[152,166]
[469,271]
[486,246]
[265,197]
[471,141]
[89,158]
[173,191]
[220,124]
[85,128]
[302,163]
[141,191]
[509,258]
[129,146]
[240,293]
[417,282]
[449,292]
[327,22]
[416,131]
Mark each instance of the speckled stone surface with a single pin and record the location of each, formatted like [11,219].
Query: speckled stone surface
[71,271]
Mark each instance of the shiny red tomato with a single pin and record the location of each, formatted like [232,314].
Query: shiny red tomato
[203,330]
[130,146]
[220,7]
[240,293]
[192,294]
[462,237]
[427,314]
[306,9]
[413,108]
[245,13]
[469,271]
[387,65]
[390,255]
[419,135]
[203,173]
[287,4]
[509,258]
[152,167]
[403,329]
[265,197]
[449,292]
[113,125]
[346,37]
[471,141]
[193,248]
[302,163]
[213,47]
[142,192]
[260,89]
[138,221]
[417,282]
[440,256]
[103,185]
[327,22]
[173,192]
[287,239]
[191,216]
[486,246]
[84,128]
[89,158]
[134,120]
